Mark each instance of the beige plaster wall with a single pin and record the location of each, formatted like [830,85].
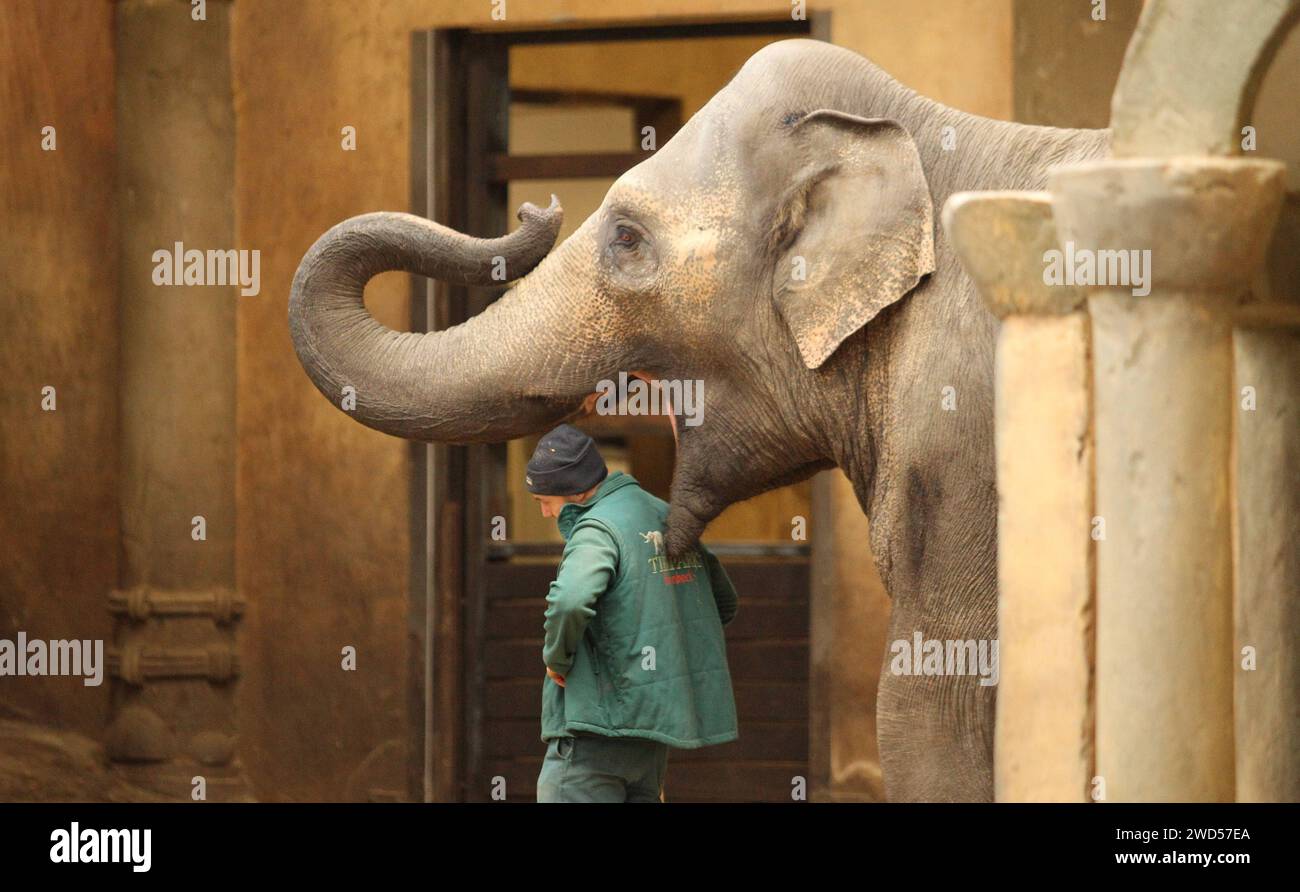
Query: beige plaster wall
[58,328]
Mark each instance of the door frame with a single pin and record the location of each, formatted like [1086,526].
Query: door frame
[460,100]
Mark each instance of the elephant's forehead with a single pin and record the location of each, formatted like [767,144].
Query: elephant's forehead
[690,196]
[701,154]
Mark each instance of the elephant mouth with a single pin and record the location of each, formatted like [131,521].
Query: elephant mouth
[588,407]
[698,495]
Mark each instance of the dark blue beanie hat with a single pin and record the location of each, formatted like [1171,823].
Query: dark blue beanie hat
[565,463]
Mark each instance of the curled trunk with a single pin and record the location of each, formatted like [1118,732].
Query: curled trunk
[427,386]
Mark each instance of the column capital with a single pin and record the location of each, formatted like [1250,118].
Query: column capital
[1000,238]
[1205,221]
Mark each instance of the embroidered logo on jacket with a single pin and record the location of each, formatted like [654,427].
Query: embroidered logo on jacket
[655,538]
[660,562]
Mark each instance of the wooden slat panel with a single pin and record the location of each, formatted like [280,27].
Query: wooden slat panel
[505,580]
[748,659]
[756,618]
[758,741]
[586,98]
[782,582]
[778,26]
[761,659]
[730,781]
[511,738]
[766,618]
[767,651]
[772,700]
[516,618]
[513,699]
[506,168]
[781,741]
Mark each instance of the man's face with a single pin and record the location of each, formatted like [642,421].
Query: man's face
[551,505]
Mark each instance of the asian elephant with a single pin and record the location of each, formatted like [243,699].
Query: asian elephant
[782,247]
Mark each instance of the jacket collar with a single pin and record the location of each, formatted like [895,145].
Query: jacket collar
[571,513]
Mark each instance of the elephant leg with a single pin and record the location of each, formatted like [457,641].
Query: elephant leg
[935,732]
[933,521]
[934,717]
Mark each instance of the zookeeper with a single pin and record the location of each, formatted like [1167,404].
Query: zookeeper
[635,657]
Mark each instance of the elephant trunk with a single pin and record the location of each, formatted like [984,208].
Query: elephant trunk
[437,386]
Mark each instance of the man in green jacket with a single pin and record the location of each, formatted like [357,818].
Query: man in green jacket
[634,651]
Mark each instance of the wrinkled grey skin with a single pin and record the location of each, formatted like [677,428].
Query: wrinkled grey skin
[809,155]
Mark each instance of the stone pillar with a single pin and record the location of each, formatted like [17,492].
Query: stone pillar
[1043,736]
[1267,554]
[1162,377]
[175,659]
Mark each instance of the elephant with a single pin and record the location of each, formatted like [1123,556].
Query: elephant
[782,247]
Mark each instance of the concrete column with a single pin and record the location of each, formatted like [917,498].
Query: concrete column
[1043,737]
[1267,554]
[175,659]
[1162,377]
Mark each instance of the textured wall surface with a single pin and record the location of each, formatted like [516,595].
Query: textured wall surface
[58,328]
[1067,63]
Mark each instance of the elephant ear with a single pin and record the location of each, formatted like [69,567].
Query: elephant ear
[854,230]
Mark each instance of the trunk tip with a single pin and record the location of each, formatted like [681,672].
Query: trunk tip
[550,217]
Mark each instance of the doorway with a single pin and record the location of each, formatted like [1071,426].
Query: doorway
[504,117]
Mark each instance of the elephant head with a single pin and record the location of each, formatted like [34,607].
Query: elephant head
[766,233]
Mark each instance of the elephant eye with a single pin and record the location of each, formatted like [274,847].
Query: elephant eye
[626,237]
[628,254]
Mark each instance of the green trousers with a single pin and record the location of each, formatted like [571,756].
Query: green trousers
[595,768]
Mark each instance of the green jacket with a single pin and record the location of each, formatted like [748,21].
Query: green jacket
[638,639]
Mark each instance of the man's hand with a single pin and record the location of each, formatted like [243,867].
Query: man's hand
[555,676]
